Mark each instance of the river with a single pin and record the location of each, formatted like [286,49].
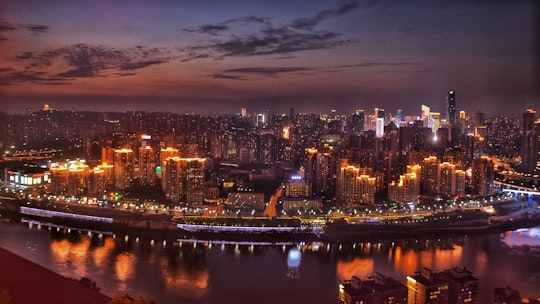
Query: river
[192,272]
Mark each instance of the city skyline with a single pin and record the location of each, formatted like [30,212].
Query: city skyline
[314,56]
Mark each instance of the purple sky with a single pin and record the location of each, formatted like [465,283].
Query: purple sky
[216,56]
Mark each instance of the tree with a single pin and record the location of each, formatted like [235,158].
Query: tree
[5,298]
[122,298]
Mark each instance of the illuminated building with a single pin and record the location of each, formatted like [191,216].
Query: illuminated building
[529,145]
[295,204]
[404,190]
[461,179]
[451,108]
[249,200]
[243,112]
[296,186]
[427,287]
[166,153]
[431,174]
[379,127]
[124,166]
[183,179]
[374,290]
[353,186]
[464,286]
[483,174]
[26,178]
[447,179]
[147,165]
[70,178]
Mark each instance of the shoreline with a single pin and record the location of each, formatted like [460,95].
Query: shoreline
[29,282]
[163,227]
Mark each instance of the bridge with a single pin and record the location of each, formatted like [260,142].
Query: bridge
[518,190]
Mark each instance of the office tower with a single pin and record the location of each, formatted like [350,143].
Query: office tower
[483,174]
[431,174]
[379,127]
[375,290]
[427,287]
[183,179]
[464,287]
[147,165]
[243,112]
[529,144]
[451,108]
[296,186]
[124,164]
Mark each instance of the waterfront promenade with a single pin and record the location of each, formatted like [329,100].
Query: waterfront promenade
[28,282]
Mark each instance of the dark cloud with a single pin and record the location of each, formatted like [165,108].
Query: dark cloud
[217,28]
[310,23]
[139,65]
[5,69]
[225,76]
[267,38]
[236,74]
[211,29]
[36,28]
[30,76]
[6,26]
[267,71]
[83,61]
[375,64]
[32,28]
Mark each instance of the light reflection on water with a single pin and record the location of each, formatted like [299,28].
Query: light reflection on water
[190,272]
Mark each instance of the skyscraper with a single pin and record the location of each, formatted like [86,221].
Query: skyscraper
[451,107]
[529,142]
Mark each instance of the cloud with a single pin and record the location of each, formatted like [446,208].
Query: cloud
[310,23]
[225,76]
[32,77]
[236,74]
[83,60]
[32,28]
[36,28]
[375,64]
[263,37]
[217,28]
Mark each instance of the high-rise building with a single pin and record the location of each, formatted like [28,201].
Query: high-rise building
[427,287]
[183,179]
[374,290]
[464,286]
[404,190]
[431,174]
[529,144]
[147,165]
[124,165]
[353,186]
[447,179]
[483,174]
[296,186]
[451,108]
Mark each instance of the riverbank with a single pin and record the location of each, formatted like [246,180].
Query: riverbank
[28,282]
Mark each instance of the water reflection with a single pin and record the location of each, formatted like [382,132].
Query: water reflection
[202,271]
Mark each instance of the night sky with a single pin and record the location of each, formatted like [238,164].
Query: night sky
[215,56]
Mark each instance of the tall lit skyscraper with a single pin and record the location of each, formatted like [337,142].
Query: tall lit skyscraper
[529,142]
[451,107]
